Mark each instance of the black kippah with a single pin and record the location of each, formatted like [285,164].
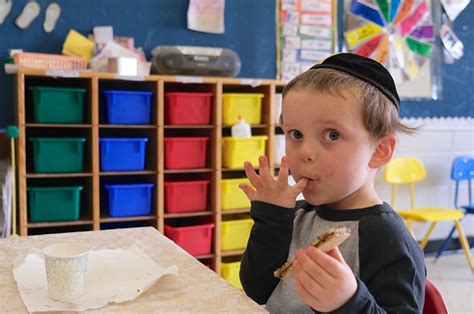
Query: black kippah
[366,69]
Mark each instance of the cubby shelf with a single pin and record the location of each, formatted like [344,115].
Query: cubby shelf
[124,219]
[94,126]
[59,224]
[235,211]
[232,253]
[182,215]
[126,173]
[47,125]
[58,175]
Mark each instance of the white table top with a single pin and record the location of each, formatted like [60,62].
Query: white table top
[195,289]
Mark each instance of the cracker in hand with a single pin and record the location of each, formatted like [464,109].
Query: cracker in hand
[325,242]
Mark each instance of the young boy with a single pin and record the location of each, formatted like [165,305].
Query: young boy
[340,119]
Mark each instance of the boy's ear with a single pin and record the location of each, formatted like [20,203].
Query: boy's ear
[383,152]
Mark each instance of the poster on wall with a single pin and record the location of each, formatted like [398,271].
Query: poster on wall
[401,36]
[307,34]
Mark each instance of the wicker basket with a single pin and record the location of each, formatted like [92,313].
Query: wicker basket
[49,61]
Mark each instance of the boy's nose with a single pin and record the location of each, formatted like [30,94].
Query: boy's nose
[308,152]
[308,158]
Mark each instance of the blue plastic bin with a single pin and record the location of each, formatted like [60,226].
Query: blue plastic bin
[126,200]
[122,154]
[128,107]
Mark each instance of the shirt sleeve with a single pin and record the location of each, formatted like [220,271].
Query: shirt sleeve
[267,249]
[392,270]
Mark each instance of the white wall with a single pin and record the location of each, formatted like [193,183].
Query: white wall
[437,144]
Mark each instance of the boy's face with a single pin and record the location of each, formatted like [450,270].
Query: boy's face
[327,143]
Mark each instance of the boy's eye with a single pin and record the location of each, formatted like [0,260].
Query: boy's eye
[331,135]
[295,134]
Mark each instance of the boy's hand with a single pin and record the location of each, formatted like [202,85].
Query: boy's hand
[269,190]
[323,280]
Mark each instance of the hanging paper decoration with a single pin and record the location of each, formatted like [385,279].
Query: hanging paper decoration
[453,48]
[308,33]
[453,7]
[398,34]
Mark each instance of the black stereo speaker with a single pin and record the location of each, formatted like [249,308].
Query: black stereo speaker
[189,60]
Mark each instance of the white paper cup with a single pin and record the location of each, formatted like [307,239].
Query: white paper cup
[66,265]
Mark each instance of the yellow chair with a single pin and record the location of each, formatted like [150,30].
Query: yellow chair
[408,171]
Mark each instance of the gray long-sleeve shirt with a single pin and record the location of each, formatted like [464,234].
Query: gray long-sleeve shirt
[387,262]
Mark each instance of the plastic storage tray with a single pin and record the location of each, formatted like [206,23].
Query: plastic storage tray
[186,196]
[185,152]
[196,240]
[58,105]
[122,154]
[230,272]
[48,204]
[232,196]
[58,155]
[235,234]
[237,150]
[278,102]
[128,107]
[278,148]
[46,61]
[249,106]
[126,200]
[188,108]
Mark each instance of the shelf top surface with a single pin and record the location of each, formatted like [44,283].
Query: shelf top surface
[167,78]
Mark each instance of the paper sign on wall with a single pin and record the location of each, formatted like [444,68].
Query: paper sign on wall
[307,34]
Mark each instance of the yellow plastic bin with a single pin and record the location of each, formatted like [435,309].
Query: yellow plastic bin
[230,272]
[249,106]
[235,234]
[237,150]
[232,196]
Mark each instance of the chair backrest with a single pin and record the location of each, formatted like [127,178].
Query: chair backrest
[404,170]
[434,303]
[462,169]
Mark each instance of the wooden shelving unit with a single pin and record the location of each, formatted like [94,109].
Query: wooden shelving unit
[92,217]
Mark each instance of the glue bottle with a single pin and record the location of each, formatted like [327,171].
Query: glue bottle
[241,128]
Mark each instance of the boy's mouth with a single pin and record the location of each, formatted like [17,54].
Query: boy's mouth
[309,176]
[312,177]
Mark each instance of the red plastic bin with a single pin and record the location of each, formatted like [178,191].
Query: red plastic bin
[188,108]
[185,152]
[196,240]
[186,196]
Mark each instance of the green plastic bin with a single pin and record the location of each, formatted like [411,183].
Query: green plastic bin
[58,155]
[54,203]
[58,104]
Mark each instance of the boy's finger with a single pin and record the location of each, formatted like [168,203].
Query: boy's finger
[308,287]
[328,263]
[300,185]
[248,190]
[312,268]
[264,169]
[252,175]
[337,255]
[283,173]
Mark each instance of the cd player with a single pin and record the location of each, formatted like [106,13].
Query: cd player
[190,60]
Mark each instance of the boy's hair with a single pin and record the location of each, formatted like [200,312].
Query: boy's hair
[379,115]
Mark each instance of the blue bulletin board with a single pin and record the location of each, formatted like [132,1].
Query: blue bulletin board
[250,30]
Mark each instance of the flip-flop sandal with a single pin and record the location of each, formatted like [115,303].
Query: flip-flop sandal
[51,17]
[5,7]
[28,15]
